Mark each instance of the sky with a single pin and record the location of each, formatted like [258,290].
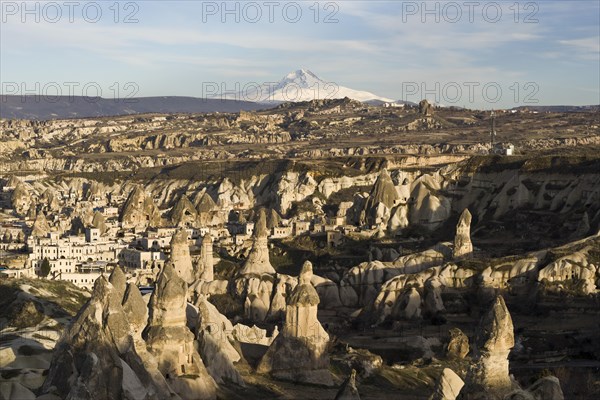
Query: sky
[475,54]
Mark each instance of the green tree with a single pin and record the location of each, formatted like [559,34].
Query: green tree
[45,268]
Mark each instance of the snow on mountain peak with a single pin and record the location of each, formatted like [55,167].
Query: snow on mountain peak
[301,85]
[303,77]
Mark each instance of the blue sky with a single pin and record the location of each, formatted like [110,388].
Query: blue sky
[380,46]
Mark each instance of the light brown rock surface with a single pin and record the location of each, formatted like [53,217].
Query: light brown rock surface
[215,337]
[95,358]
[299,353]
[172,343]
[495,339]
[458,346]
[140,211]
[462,241]
[448,386]
[41,228]
[258,262]
[205,268]
[184,213]
[348,390]
[180,256]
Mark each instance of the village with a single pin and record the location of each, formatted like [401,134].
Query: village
[127,238]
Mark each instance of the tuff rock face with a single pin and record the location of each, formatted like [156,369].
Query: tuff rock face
[425,108]
[433,303]
[381,200]
[207,211]
[50,200]
[369,282]
[20,198]
[40,226]
[171,342]
[215,336]
[408,305]
[299,353]
[462,241]
[489,373]
[99,222]
[206,268]
[180,256]
[448,386]
[140,211]
[95,358]
[184,213]
[458,346]
[574,267]
[258,262]
[546,388]
[348,390]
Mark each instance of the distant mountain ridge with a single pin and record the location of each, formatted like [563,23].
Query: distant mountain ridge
[42,108]
[590,108]
[301,85]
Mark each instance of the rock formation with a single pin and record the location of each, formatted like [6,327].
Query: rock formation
[139,211]
[408,305]
[381,282]
[15,391]
[258,292]
[546,388]
[172,343]
[50,200]
[462,241]
[95,357]
[425,108]
[40,226]
[381,200]
[258,262]
[299,353]
[433,303]
[573,269]
[253,334]
[206,267]
[458,346]
[495,339]
[184,213]
[273,219]
[180,256]
[348,390]
[20,198]
[31,212]
[215,336]
[427,208]
[448,386]
[99,222]
[205,206]
[583,227]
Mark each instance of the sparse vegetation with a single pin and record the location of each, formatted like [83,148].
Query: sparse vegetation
[45,268]
[227,304]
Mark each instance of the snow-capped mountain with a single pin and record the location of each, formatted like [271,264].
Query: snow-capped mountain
[300,85]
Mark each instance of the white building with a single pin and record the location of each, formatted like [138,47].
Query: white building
[134,258]
[92,235]
[76,259]
[71,247]
[301,227]
[109,212]
[83,280]
[17,272]
[279,232]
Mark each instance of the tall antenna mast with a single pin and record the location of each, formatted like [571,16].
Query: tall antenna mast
[493,128]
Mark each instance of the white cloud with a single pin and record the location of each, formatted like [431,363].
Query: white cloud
[587,48]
